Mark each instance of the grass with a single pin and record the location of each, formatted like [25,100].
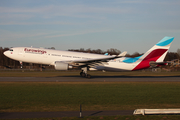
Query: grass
[56,96]
[37,96]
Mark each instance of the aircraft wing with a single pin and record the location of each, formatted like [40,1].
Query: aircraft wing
[94,62]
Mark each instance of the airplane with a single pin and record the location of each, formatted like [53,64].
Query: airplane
[65,60]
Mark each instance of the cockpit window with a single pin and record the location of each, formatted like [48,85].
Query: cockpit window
[10,49]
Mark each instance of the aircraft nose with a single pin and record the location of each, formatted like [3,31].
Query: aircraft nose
[6,53]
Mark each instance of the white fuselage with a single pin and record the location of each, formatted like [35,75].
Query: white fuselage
[49,57]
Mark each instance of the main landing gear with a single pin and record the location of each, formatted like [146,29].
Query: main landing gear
[83,73]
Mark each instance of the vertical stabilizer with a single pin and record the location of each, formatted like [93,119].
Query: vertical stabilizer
[156,54]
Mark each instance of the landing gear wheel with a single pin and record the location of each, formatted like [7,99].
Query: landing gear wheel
[88,76]
[82,74]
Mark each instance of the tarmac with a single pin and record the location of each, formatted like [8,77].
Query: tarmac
[93,79]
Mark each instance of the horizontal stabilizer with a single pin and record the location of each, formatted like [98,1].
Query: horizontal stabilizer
[122,54]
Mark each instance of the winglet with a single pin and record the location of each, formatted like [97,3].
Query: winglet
[122,54]
[106,54]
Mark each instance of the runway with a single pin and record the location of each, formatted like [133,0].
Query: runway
[94,79]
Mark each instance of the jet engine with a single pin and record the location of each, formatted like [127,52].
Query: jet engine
[62,66]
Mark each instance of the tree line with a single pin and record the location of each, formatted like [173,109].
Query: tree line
[6,62]
[170,55]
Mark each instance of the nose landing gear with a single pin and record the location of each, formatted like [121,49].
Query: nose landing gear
[21,63]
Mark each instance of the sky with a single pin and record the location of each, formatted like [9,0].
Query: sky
[126,25]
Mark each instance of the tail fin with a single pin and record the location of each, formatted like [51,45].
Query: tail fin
[156,54]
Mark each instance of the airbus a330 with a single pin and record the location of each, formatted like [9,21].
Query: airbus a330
[65,60]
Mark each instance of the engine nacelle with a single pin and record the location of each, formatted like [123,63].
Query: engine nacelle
[62,66]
